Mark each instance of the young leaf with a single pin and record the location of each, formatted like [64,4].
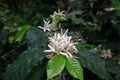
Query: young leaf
[74,68]
[21,34]
[55,22]
[55,66]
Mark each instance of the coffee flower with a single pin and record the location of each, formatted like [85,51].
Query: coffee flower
[60,43]
[47,26]
[106,54]
[59,15]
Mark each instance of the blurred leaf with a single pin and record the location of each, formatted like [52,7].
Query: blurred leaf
[116,3]
[36,39]
[56,20]
[55,66]
[27,60]
[78,20]
[39,73]
[113,67]
[24,64]
[21,34]
[117,75]
[74,68]
[11,39]
[91,60]
[75,19]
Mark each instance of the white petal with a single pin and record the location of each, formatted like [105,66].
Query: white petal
[48,51]
[64,54]
[70,55]
[51,47]
[40,27]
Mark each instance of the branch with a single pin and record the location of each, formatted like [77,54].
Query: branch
[13,50]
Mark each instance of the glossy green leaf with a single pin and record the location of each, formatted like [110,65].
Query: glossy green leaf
[90,59]
[55,66]
[74,68]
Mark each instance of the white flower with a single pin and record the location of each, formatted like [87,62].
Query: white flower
[60,14]
[60,43]
[47,26]
[106,54]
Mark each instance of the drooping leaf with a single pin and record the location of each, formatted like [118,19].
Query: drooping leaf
[21,33]
[74,68]
[91,60]
[36,37]
[55,66]
[23,65]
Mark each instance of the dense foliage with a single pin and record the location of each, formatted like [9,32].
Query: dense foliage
[22,43]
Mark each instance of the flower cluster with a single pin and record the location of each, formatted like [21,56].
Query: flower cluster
[61,44]
[59,14]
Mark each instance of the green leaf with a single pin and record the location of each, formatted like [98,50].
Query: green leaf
[116,3]
[21,33]
[36,38]
[80,20]
[55,66]
[117,75]
[56,20]
[114,68]
[90,59]
[39,73]
[74,68]
[28,59]
[24,64]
